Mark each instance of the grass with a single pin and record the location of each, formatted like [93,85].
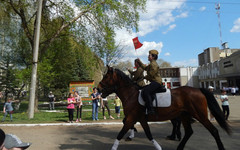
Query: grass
[21,116]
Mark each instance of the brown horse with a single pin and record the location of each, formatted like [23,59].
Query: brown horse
[187,102]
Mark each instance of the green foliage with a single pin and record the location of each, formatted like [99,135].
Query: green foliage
[7,77]
[71,42]
[86,61]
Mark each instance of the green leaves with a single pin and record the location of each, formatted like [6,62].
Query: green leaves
[75,35]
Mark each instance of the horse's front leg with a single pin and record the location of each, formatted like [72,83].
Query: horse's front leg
[149,134]
[127,125]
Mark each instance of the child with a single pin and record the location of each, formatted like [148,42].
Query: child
[225,104]
[78,100]
[8,109]
[70,107]
[117,103]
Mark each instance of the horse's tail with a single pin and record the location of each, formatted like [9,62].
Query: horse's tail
[216,110]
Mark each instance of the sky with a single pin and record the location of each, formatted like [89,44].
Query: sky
[182,29]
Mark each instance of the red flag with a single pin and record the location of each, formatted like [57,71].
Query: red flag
[136,43]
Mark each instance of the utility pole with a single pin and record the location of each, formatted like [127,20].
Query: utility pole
[2,46]
[217,7]
[35,60]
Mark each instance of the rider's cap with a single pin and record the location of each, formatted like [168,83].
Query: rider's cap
[12,141]
[153,52]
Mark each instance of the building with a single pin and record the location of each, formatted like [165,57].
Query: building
[219,68]
[213,54]
[229,69]
[174,77]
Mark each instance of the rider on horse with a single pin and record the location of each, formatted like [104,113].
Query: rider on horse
[138,78]
[137,75]
[154,77]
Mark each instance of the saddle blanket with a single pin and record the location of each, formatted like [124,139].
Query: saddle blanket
[163,99]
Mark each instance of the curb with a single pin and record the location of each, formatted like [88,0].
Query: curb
[71,124]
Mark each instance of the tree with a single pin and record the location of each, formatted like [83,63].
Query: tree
[94,24]
[163,64]
[7,77]
[123,65]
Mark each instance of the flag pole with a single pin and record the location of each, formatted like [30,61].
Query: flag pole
[136,53]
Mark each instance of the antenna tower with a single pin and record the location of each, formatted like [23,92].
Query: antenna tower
[217,7]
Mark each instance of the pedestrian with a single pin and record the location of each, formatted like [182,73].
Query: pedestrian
[2,138]
[225,104]
[12,142]
[105,105]
[233,91]
[95,96]
[155,79]
[79,103]
[118,104]
[70,107]
[211,88]
[51,99]
[8,109]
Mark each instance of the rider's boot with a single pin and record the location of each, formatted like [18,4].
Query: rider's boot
[149,106]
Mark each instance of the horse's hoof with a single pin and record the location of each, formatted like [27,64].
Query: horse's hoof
[128,139]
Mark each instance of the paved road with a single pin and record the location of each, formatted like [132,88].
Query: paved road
[96,137]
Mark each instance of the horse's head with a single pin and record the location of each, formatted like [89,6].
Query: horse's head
[108,84]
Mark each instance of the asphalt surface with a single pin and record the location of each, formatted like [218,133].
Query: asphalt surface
[101,135]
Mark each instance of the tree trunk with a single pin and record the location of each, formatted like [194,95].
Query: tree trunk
[36,97]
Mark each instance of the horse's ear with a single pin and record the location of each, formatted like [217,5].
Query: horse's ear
[110,69]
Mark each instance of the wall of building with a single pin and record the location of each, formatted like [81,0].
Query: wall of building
[223,72]
[189,76]
[230,66]
[174,77]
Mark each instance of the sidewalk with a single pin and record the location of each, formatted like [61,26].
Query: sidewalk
[73,124]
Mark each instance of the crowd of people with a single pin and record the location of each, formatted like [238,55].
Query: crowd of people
[75,100]
[233,90]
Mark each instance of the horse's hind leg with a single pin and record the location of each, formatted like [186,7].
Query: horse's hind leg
[149,134]
[186,121]
[213,130]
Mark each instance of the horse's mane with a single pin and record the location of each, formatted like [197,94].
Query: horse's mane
[125,78]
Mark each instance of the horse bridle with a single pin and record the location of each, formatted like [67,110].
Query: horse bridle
[114,88]
[106,88]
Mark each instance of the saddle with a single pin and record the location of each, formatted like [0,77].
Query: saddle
[162,99]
